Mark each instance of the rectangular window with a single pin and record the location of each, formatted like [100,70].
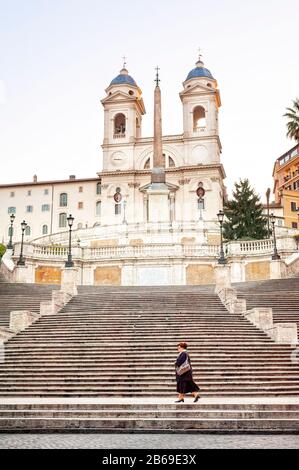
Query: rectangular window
[294,225]
[80,205]
[117,209]
[46,192]
[11,210]
[98,208]
[80,189]
[29,208]
[45,207]
[29,192]
[293,206]
[12,194]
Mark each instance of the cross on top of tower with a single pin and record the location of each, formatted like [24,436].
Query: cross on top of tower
[125,63]
[157,79]
[199,62]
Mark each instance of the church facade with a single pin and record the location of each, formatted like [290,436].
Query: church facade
[150,216]
[117,195]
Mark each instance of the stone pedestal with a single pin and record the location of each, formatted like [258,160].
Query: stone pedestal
[21,319]
[8,254]
[24,274]
[59,299]
[69,280]
[158,203]
[277,269]
[46,308]
[284,333]
[222,277]
[260,317]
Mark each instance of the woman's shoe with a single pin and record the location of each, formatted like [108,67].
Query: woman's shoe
[180,401]
[196,399]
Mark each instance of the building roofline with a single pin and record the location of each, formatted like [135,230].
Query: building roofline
[48,182]
[288,151]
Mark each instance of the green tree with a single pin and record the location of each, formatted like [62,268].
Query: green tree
[2,250]
[244,217]
[293,120]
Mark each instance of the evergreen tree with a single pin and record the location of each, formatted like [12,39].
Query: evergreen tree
[244,215]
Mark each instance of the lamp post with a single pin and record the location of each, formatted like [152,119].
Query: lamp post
[10,246]
[69,263]
[21,260]
[221,259]
[275,252]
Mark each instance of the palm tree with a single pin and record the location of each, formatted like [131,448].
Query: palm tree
[293,120]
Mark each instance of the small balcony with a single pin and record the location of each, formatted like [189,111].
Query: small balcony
[199,129]
[119,135]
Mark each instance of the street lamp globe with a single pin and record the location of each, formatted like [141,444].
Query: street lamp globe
[220,216]
[70,220]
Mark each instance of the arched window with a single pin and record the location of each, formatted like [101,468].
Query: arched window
[62,220]
[45,230]
[167,161]
[99,188]
[199,119]
[28,230]
[119,125]
[63,200]
[98,208]
[170,162]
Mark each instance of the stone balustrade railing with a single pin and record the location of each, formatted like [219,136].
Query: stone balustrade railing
[124,230]
[123,251]
[286,246]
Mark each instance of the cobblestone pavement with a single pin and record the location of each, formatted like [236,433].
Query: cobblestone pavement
[147,441]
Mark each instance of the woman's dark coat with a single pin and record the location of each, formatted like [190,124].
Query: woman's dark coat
[185,383]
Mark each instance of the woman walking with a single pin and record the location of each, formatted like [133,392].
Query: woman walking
[183,371]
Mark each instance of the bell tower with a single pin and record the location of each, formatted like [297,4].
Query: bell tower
[123,111]
[201,102]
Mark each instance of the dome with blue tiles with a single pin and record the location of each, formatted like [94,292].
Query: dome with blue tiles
[123,78]
[199,71]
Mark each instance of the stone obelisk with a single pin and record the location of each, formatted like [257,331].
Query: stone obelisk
[158,171]
[158,191]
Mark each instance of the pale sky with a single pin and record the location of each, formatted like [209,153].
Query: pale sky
[58,56]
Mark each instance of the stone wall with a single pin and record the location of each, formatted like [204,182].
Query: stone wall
[257,271]
[199,274]
[47,275]
[107,276]
[101,243]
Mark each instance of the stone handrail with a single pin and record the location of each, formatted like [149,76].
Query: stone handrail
[115,231]
[7,267]
[125,251]
[286,246]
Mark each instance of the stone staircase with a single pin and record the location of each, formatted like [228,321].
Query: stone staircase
[282,295]
[121,342]
[149,417]
[21,297]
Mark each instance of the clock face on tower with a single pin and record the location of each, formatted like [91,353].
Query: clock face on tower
[118,158]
